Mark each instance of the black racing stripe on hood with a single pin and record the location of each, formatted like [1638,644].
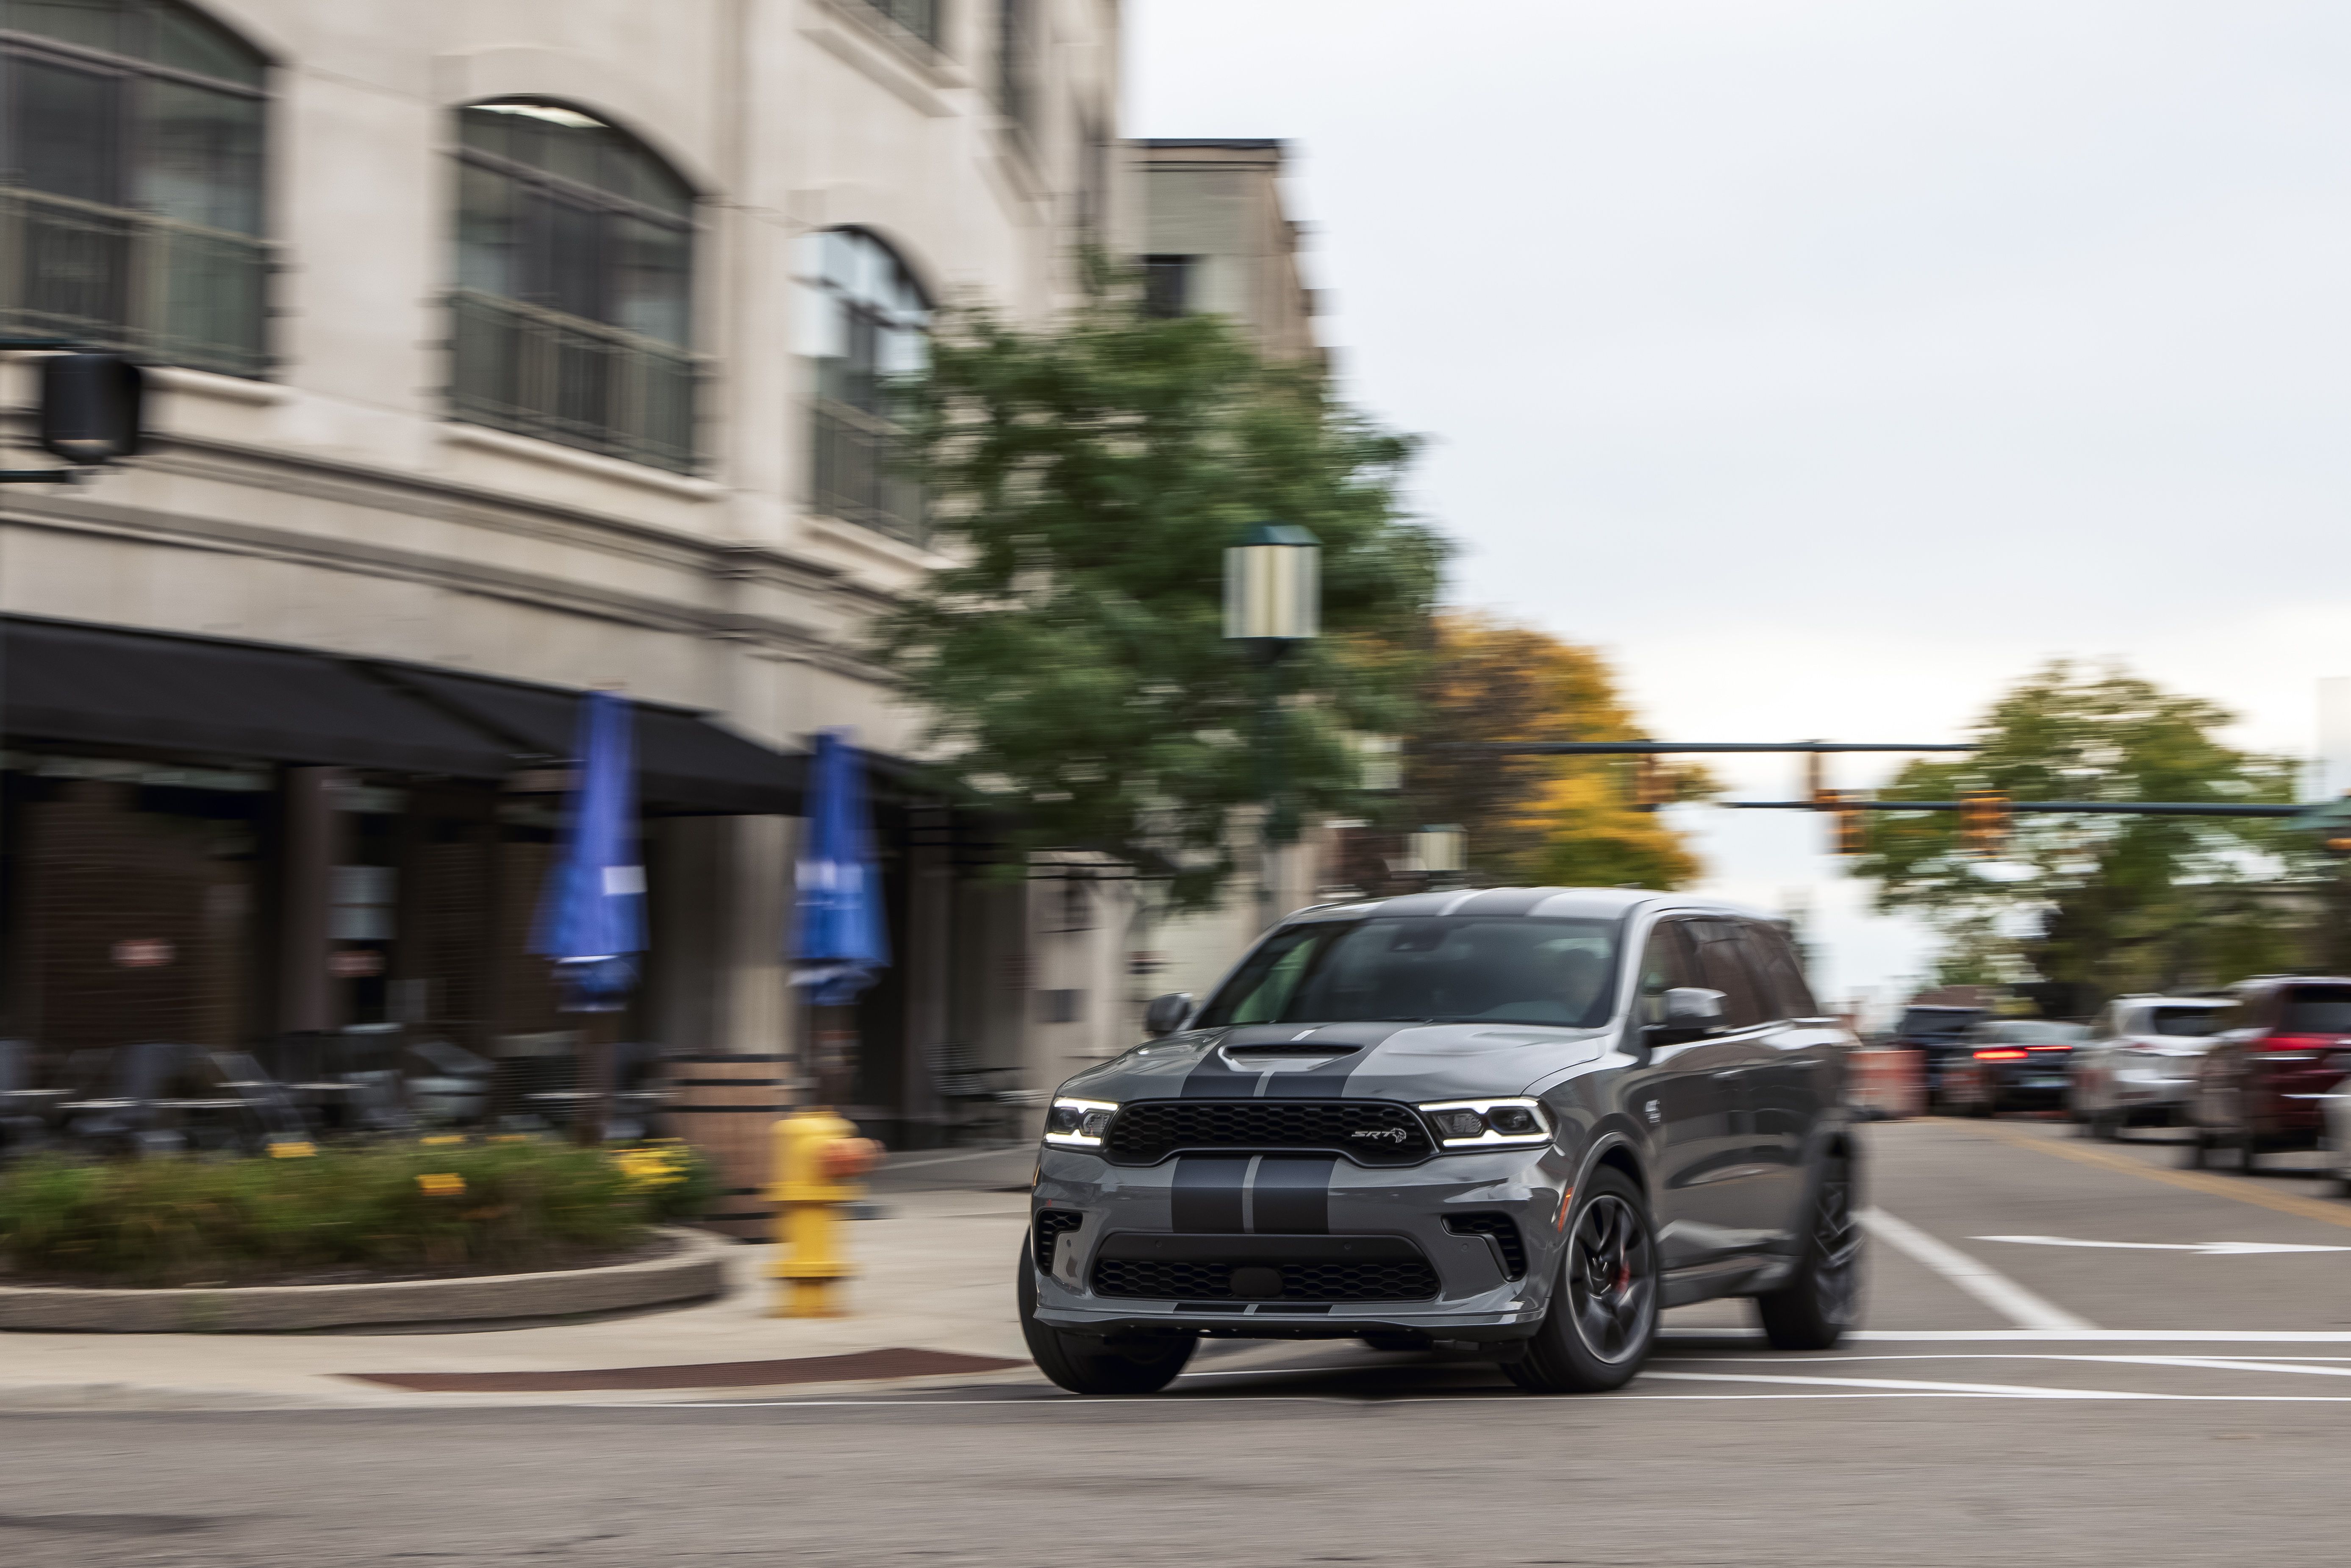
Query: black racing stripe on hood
[1214,1078]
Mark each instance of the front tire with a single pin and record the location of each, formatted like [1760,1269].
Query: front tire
[1085,1365]
[1603,1306]
[1814,1308]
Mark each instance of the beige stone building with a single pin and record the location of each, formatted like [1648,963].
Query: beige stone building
[503,350]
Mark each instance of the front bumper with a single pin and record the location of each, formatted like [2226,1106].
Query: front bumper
[1371,1220]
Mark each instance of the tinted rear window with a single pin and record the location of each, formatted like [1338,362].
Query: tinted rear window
[2316,1009]
[2182,1020]
[1925,1022]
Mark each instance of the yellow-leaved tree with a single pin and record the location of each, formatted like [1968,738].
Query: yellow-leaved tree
[1562,821]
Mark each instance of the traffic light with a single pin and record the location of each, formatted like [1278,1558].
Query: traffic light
[90,406]
[1651,788]
[1848,823]
[1983,822]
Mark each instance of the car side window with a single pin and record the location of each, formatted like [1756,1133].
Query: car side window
[1666,964]
[1788,995]
[1723,966]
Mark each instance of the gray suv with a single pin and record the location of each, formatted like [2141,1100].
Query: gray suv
[1517,1122]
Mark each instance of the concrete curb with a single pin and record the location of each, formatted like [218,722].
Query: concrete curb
[695,1271]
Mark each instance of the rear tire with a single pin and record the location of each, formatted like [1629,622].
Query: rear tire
[1823,1299]
[1604,1305]
[1085,1365]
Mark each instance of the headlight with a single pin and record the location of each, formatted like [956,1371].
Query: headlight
[1489,1123]
[1078,1123]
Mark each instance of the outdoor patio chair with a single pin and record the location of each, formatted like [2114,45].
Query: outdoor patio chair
[987,1098]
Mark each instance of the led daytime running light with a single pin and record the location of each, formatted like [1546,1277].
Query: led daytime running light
[1078,1123]
[1451,1120]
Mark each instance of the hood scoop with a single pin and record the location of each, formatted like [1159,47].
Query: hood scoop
[1291,1050]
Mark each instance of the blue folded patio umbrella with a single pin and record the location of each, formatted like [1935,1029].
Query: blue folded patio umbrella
[591,917]
[838,940]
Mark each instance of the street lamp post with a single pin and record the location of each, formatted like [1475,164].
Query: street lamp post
[1273,602]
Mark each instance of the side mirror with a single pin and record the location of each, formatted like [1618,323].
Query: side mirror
[1693,1008]
[1166,1014]
[1691,1012]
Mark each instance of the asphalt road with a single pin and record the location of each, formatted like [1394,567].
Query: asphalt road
[2075,1354]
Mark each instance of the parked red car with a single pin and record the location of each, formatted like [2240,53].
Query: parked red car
[2284,1043]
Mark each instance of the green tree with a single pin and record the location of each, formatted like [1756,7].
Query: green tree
[1085,481]
[1563,820]
[2099,905]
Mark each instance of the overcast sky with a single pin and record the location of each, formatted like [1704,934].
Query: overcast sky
[1833,364]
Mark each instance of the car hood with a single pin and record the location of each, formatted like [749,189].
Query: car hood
[1413,1061]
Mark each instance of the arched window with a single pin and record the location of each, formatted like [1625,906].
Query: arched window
[131,182]
[575,271]
[867,321]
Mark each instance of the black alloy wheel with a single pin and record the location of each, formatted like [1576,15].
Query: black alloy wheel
[1604,1307]
[1084,1364]
[1823,1299]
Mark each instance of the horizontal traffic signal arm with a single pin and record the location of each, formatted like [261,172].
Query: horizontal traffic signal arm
[2090,807]
[1636,748]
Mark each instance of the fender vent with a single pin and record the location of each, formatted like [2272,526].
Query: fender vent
[1505,1232]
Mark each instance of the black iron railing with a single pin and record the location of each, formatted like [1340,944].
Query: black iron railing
[602,389]
[169,292]
[858,478]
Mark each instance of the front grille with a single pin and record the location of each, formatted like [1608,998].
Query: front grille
[1505,1232]
[1052,1224]
[1385,1280]
[1150,1130]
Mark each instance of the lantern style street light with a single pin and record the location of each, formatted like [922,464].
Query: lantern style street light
[1273,602]
[1273,588]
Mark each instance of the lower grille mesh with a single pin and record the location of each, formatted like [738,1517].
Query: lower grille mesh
[1385,1280]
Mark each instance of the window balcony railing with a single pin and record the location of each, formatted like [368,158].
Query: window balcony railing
[169,292]
[857,476]
[600,389]
[920,17]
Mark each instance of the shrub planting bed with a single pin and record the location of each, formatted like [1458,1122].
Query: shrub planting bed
[342,1214]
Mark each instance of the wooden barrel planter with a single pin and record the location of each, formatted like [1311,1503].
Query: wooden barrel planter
[726,1106]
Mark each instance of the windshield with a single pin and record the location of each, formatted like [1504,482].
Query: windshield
[1924,1022]
[1460,969]
[2182,1020]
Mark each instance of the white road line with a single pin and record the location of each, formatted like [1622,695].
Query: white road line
[2244,1363]
[2208,1249]
[1985,1283]
[2086,1335]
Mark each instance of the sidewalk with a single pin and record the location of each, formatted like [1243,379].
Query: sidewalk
[937,1275]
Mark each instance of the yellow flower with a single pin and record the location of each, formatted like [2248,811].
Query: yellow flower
[445,1183]
[651,1167]
[292,1149]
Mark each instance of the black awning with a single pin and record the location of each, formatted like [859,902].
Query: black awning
[63,680]
[684,761]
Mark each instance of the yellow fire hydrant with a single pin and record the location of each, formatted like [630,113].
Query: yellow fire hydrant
[818,1157]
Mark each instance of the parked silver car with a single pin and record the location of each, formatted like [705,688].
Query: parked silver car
[2140,1063]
